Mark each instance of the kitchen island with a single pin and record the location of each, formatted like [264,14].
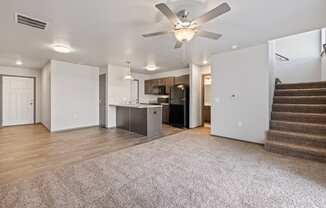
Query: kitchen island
[142,119]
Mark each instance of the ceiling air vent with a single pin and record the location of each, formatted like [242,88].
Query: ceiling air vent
[31,22]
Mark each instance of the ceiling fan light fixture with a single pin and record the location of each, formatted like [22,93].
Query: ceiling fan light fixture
[184,34]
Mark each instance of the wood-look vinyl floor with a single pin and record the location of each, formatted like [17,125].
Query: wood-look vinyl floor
[28,150]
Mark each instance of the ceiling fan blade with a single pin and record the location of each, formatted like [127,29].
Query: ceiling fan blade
[168,13]
[178,44]
[218,11]
[155,34]
[209,35]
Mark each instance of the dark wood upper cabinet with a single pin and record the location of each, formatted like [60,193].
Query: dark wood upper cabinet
[182,80]
[160,82]
[168,82]
[147,87]
[155,82]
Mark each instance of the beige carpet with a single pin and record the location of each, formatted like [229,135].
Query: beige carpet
[189,169]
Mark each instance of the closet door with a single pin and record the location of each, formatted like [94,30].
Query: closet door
[18,101]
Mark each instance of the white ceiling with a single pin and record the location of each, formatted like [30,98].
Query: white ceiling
[109,31]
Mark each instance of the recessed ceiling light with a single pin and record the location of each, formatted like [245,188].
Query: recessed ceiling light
[151,68]
[19,62]
[61,48]
[234,47]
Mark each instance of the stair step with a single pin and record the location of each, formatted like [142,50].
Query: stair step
[300,108]
[312,153]
[299,117]
[300,99]
[301,92]
[308,128]
[305,85]
[297,138]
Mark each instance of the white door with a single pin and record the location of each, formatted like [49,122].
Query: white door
[18,101]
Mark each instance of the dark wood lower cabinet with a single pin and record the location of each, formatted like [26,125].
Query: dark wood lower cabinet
[144,121]
[166,113]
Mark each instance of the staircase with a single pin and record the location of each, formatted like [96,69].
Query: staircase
[298,124]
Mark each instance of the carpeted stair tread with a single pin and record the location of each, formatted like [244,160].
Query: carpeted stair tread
[300,99]
[300,108]
[298,121]
[309,128]
[297,138]
[299,117]
[304,85]
[301,92]
[302,151]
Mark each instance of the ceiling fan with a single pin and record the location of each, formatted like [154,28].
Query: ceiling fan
[185,29]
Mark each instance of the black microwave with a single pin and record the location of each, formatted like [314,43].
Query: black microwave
[159,90]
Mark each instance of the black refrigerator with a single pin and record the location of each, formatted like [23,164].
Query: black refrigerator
[179,106]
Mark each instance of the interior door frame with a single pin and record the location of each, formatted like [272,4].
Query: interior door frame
[203,96]
[1,95]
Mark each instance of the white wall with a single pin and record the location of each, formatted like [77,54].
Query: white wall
[195,96]
[46,96]
[303,50]
[323,61]
[272,62]
[244,74]
[142,97]
[19,71]
[118,91]
[74,96]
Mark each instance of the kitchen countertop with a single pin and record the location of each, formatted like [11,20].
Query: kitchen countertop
[136,105]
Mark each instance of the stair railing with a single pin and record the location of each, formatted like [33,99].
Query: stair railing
[283,58]
[324,50]
[277,81]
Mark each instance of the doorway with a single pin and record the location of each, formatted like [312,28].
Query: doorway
[18,100]
[102,100]
[206,100]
